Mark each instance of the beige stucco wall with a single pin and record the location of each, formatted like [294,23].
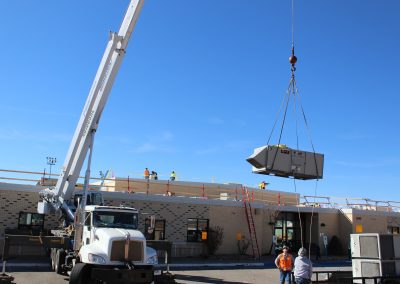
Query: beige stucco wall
[331,228]
[266,230]
[345,226]
[371,221]
[233,221]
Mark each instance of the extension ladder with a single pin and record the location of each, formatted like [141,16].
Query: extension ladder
[250,223]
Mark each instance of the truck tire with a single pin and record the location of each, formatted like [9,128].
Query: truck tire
[59,260]
[80,274]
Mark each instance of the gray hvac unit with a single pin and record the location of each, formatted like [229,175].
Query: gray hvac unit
[286,162]
[373,246]
[373,268]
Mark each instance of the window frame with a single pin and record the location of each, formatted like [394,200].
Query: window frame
[394,230]
[152,236]
[194,235]
[29,226]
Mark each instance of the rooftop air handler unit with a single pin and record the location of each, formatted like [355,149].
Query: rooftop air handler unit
[283,161]
[375,255]
[375,246]
[374,268]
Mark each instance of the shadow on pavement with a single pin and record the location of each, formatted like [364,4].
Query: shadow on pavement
[28,269]
[201,279]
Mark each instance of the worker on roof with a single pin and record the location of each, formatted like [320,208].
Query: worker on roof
[146,173]
[284,262]
[262,185]
[154,175]
[172,176]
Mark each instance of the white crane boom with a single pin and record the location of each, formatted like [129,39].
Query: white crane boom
[55,198]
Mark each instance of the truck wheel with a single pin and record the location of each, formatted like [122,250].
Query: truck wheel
[59,260]
[80,274]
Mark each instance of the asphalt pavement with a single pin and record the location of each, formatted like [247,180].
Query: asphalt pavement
[188,270]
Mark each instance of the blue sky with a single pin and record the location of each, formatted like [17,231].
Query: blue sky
[200,87]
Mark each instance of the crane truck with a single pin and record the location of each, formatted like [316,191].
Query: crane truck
[103,242]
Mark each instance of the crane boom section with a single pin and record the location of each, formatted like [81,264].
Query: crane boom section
[95,103]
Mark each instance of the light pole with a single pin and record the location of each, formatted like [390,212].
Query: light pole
[51,162]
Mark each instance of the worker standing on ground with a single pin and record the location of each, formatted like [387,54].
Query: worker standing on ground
[146,173]
[302,268]
[173,176]
[284,262]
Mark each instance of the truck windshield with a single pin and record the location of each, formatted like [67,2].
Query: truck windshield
[110,219]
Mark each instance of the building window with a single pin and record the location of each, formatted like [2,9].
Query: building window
[393,230]
[29,220]
[158,233]
[197,229]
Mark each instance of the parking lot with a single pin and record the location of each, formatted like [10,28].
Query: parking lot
[197,276]
[257,275]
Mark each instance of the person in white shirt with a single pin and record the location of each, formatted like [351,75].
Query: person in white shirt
[302,268]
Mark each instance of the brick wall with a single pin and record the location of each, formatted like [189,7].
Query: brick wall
[175,214]
[12,202]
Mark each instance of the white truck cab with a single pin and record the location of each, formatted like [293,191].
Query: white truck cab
[111,237]
[111,249]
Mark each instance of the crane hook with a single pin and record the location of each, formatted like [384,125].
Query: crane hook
[293,60]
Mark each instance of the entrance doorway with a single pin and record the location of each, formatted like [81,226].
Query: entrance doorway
[287,231]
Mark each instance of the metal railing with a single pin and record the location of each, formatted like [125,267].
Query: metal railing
[355,203]
[200,190]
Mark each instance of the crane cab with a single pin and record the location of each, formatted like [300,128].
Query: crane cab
[93,198]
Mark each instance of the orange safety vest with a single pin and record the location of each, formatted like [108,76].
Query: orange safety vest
[285,262]
[146,173]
